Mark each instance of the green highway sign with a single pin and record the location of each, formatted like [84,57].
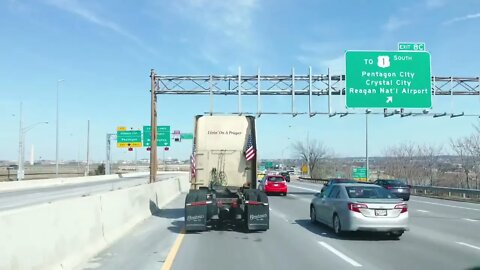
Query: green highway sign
[186,136]
[411,46]
[129,138]
[359,172]
[163,136]
[393,79]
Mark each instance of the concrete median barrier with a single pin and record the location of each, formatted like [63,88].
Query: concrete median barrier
[62,234]
[27,184]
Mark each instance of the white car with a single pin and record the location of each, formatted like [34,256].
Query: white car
[360,207]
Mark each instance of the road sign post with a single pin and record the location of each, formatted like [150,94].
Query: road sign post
[376,79]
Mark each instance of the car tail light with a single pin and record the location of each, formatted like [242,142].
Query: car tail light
[402,206]
[355,207]
[198,203]
[253,203]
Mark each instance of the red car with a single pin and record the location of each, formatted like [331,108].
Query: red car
[273,184]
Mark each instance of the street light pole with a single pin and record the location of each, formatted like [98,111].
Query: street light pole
[56,140]
[21,150]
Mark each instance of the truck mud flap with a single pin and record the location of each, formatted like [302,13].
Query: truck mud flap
[257,213]
[196,218]
[257,217]
[196,211]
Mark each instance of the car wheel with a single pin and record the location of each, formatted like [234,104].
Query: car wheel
[337,226]
[406,199]
[313,215]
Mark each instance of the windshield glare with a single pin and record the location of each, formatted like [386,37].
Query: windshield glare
[365,192]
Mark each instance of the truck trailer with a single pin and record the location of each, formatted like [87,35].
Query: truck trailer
[223,179]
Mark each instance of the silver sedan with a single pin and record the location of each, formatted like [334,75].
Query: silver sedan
[360,207]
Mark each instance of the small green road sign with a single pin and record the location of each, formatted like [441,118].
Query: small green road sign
[129,138]
[163,136]
[359,173]
[394,79]
[411,46]
[186,136]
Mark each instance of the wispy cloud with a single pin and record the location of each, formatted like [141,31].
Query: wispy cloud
[464,18]
[431,4]
[220,27]
[74,7]
[395,23]
[233,19]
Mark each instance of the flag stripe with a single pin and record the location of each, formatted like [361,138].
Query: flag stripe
[250,150]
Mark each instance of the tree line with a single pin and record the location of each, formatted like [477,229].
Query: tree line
[456,164]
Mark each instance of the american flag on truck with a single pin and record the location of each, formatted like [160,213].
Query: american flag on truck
[249,150]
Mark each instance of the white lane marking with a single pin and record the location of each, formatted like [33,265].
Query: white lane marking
[280,215]
[300,198]
[469,219]
[423,211]
[340,254]
[447,205]
[309,189]
[468,245]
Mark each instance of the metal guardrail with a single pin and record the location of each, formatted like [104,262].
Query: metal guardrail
[441,192]
[313,180]
[446,192]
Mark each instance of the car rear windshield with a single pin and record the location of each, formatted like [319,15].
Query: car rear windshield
[275,179]
[366,192]
[395,183]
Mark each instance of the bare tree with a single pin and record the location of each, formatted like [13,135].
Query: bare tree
[461,147]
[311,152]
[430,155]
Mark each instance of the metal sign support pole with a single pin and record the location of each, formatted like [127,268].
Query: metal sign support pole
[366,144]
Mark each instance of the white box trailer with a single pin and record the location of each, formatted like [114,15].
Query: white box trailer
[224,176]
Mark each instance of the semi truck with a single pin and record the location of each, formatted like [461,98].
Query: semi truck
[223,179]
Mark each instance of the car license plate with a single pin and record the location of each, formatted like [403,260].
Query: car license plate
[400,190]
[275,185]
[380,212]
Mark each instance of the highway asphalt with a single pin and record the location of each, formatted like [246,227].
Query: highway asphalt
[27,197]
[443,235]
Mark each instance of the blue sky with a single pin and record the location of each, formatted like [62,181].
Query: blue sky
[104,51]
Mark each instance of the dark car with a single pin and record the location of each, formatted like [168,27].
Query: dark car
[396,187]
[286,175]
[337,180]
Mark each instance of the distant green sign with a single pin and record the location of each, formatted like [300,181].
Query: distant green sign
[186,136]
[395,79]
[163,136]
[129,138]
[411,46]
[359,172]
